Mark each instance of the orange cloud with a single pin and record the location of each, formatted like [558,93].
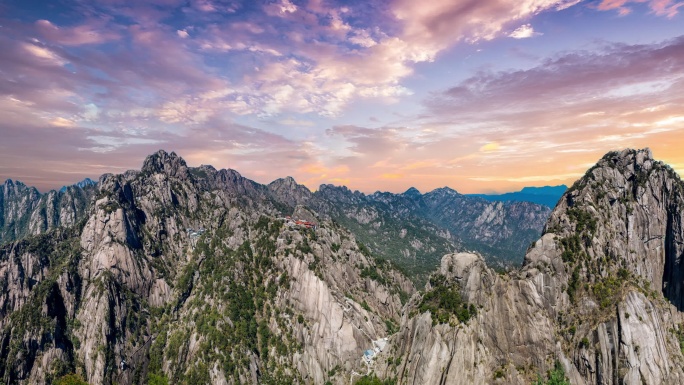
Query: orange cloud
[490,147]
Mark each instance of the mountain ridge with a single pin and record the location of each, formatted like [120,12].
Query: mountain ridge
[82,184]
[402,228]
[192,275]
[546,195]
[598,297]
[166,256]
[25,211]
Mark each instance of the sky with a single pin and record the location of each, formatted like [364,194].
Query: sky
[480,95]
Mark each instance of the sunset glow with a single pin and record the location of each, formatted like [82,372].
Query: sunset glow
[478,95]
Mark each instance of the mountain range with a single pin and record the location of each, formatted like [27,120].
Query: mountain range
[181,275]
[547,195]
[412,230]
[25,211]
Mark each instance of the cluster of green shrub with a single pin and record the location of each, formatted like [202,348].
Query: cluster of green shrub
[372,273]
[583,220]
[70,379]
[606,289]
[573,284]
[555,376]
[444,302]
[572,248]
[372,379]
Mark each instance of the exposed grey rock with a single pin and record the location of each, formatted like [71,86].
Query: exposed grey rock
[190,274]
[135,283]
[600,292]
[24,211]
[415,230]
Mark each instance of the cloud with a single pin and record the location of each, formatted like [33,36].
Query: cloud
[311,57]
[287,6]
[204,5]
[86,34]
[62,122]
[668,8]
[370,142]
[432,27]
[489,147]
[127,78]
[569,109]
[567,4]
[575,77]
[44,54]
[523,32]
[332,55]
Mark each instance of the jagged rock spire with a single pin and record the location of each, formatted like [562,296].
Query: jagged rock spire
[168,163]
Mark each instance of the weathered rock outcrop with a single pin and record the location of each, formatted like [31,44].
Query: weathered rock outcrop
[189,275]
[192,275]
[502,230]
[600,293]
[414,230]
[24,211]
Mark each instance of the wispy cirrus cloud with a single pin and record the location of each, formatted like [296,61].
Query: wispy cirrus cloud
[668,8]
[309,57]
[84,34]
[569,109]
[117,78]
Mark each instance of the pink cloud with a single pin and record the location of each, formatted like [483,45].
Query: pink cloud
[576,76]
[329,57]
[79,35]
[432,27]
[668,8]
[150,86]
[525,31]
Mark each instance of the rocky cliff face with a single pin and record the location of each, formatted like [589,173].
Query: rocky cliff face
[498,230]
[189,276]
[599,293]
[415,230]
[24,211]
[192,275]
[412,229]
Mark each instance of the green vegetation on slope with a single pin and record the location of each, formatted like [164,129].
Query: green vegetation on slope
[387,242]
[230,306]
[374,380]
[444,302]
[70,379]
[556,376]
[41,321]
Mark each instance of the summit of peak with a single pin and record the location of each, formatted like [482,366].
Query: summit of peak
[412,191]
[164,162]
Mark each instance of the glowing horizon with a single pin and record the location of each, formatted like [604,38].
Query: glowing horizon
[484,96]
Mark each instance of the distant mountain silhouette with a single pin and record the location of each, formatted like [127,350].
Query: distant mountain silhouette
[82,184]
[547,195]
